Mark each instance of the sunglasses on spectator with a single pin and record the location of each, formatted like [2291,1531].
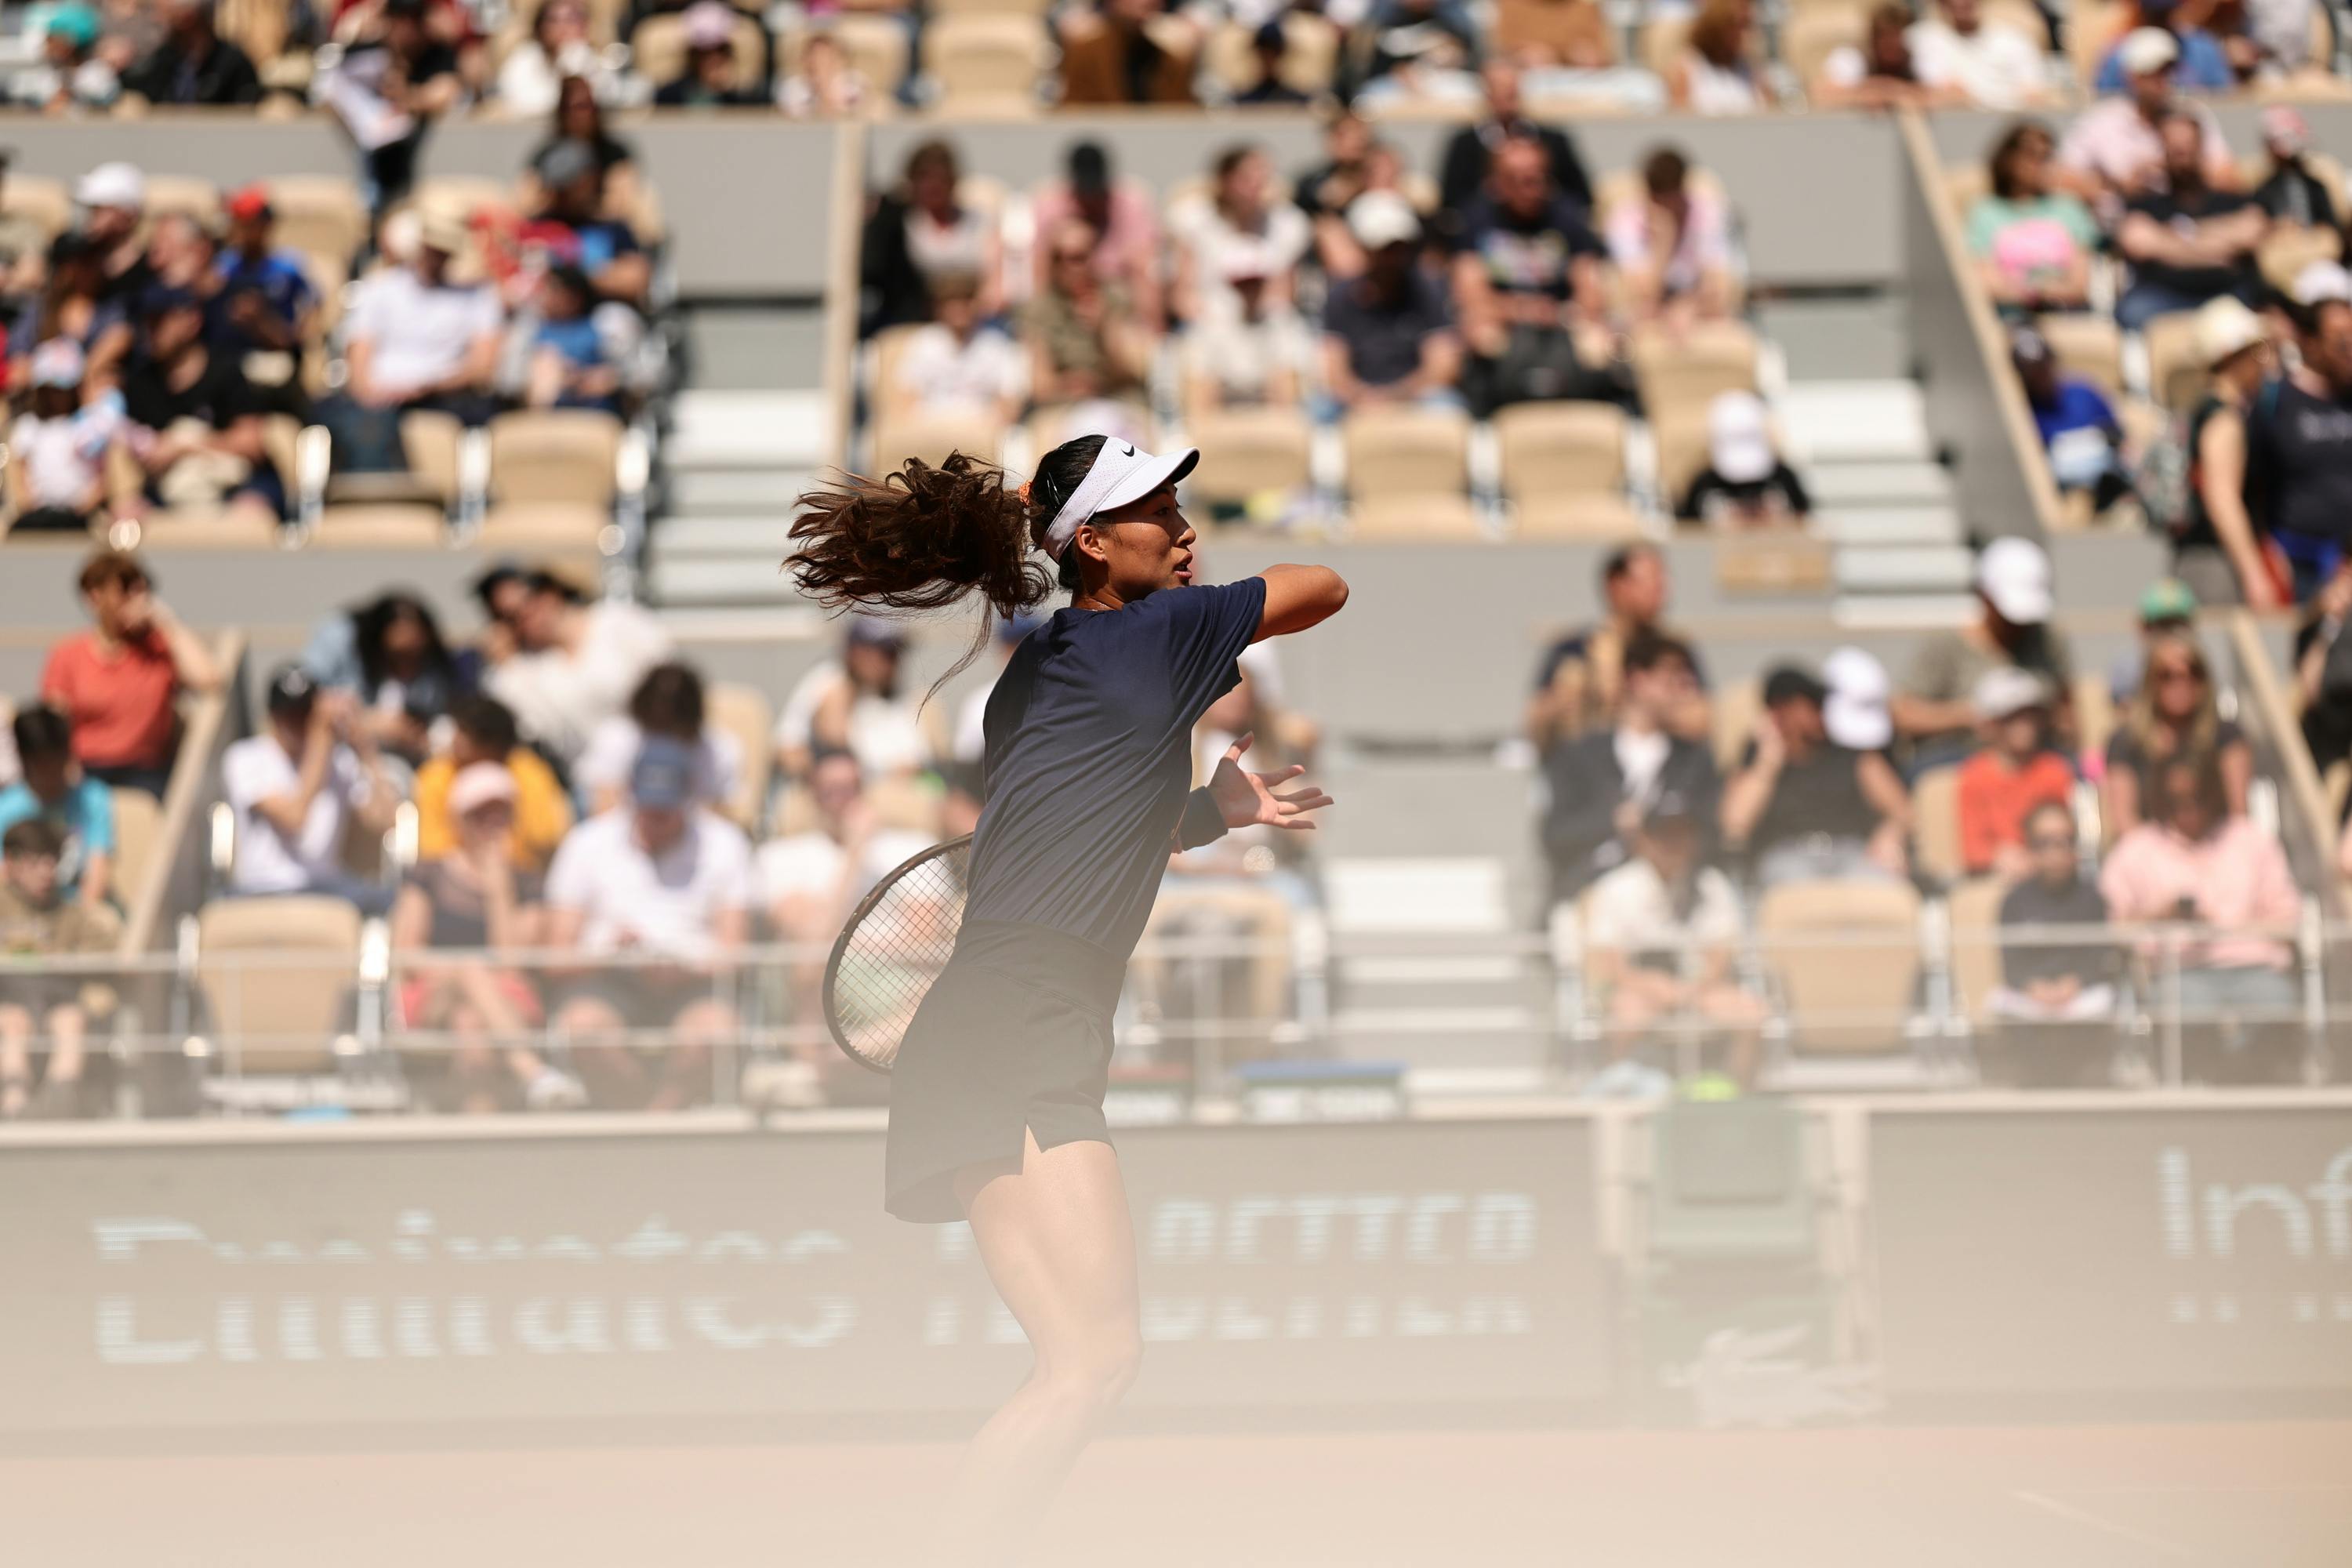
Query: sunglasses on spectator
[2050,841]
[2179,673]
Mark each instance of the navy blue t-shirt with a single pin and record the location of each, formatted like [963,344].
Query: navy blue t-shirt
[1090,757]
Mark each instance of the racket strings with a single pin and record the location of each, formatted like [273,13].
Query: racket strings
[895,950]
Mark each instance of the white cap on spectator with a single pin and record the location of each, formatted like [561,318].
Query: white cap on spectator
[1382,218]
[1854,711]
[479,784]
[2013,573]
[1739,438]
[2225,328]
[57,362]
[114,185]
[2321,281]
[709,25]
[2147,50]
[2005,691]
[440,229]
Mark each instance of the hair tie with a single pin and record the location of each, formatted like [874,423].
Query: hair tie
[1024,491]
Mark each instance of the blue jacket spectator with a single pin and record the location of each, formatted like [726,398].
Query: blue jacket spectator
[265,299]
[55,789]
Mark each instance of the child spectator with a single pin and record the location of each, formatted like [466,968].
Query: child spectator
[668,702]
[1745,483]
[2031,241]
[569,363]
[55,790]
[482,729]
[956,364]
[1388,331]
[297,786]
[118,682]
[57,479]
[826,86]
[37,920]
[1672,246]
[2174,716]
[1253,352]
[2013,773]
[1085,339]
[2080,432]
[1805,808]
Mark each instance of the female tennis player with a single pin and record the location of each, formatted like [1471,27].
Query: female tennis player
[997,1096]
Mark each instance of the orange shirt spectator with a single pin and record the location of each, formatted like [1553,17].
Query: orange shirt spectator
[2015,773]
[118,681]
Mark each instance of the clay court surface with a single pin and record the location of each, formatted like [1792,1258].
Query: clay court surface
[2276,1495]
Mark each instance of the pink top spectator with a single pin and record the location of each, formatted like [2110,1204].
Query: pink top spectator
[1130,239]
[2112,139]
[1703,246]
[2238,876]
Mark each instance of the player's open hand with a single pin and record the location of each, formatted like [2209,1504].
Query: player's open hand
[1245,798]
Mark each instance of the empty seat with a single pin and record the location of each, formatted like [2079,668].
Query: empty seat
[930,437]
[279,1015]
[44,202]
[187,528]
[1816,32]
[321,216]
[1247,452]
[1974,907]
[2287,251]
[2174,378]
[1936,817]
[188,194]
[1595,520]
[137,829]
[876,44]
[1779,558]
[985,57]
[1552,451]
[380,525]
[1308,63]
[554,454]
[888,347]
[1396,452]
[1710,357]
[1967,185]
[745,713]
[1417,520]
[430,439]
[578,530]
[2091,346]
[1846,956]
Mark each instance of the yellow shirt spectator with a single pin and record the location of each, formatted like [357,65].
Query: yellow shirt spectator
[542,811]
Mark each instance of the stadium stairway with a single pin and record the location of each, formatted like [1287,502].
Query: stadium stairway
[1880,498]
[733,461]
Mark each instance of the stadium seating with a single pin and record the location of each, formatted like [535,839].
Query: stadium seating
[279,1019]
[1399,453]
[745,713]
[1250,452]
[1813,936]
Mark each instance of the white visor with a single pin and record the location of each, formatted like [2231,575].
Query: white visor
[1121,476]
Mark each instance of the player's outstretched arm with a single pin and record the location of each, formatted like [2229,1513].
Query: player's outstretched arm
[1297,597]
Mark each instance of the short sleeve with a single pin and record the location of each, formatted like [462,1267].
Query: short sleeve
[1716,921]
[1930,673]
[97,817]
[730,871]
[487,316]
[243,783]
[611,751]
[1207,630]
[569,879]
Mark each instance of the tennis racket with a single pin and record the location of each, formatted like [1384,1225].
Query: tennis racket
[895,944]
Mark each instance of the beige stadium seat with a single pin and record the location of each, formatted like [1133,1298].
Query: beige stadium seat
[1779,559]
[1975,909]
[183,528]
[1967,185]
[320,216]
[430,440]
[381,526]
[2287,251]
[196,197]
[44,201]
[1738,710]
[985,59]
[2021,17]
[1680,380]
[1397,452]
[1552,451]
[1247,452]
[932,436]
[1548,26]
[577,531]
[1417,520]
[463,196]
[1574,519]
[1817,31]
[138,835]
[989,7]
[554,454]
[2091,346]
[2174,376]
[2092,29]
[1679,430]
[744,713]
[2094,712]
[887,347]
[874,44]
[1848,986]
[282,1018]
[1936,816]
[1661,41]
[658,49]
[1308,65]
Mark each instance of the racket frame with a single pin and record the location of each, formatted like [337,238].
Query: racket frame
[849,929]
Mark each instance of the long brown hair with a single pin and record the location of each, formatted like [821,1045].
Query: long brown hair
[2141,720]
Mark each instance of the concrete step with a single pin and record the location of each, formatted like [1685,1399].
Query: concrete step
[718,580]
[1904,569]
[1888,525]
[1854,421]
[680,537]
[1872,484]
[757,492]
[1903,612]
[747,431]
[1446,1039]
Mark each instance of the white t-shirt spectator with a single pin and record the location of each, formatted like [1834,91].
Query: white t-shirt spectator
[1243,357]
[256,769]
[612,752]
[61,457]
[666,903]
[1218,247]
[559,697]
[809,865]
[947,377]
[1996,67]
[1703,246]
[419,334]
[885,733]
[1631,911]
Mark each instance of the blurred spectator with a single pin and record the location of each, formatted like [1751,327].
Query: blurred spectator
[573,227]
[922,231]
[118,682]
[23,256]
[2175,716]
[1528,266]
[969,742]
[1992,64]
[579,116]
[2167,610]
[483,730]
[1568,40]
[473,900]
[2215,548]
[1122,218]
[191,420]
[2323,660]
[1324,190]
[1804,806]
[570,360]
[713,77]
[957,364]
[1600,783]
[2192,57]
[1268,45]
[266,303]
[75,307]
[2269,39]
[194,65]
[2294,192]
[858,705]
[826,86]
[297,786]
[2041,983]
[530,78]
[1388,333]
[2115,149]
[112,199]
[2080,432]
[1935,709]
[1238,229]
[2186,243]
[2014,772]
[662,879]
[37,919]
[1672,247]
[2193,861]
[1715,72]
[57,481]
[668,703]
[2032,242]
[1663,934]
[1125,52]
[392,80]
[1086,339]
[809,881]
[1254,352]
[1419,51]
[2299,448]
[416,338]
[71,75]
[576,663]
[1468,165]
[1581,676]
[55,790]
[1856,710]
[1746,483]
[389,653]
[1880,73]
